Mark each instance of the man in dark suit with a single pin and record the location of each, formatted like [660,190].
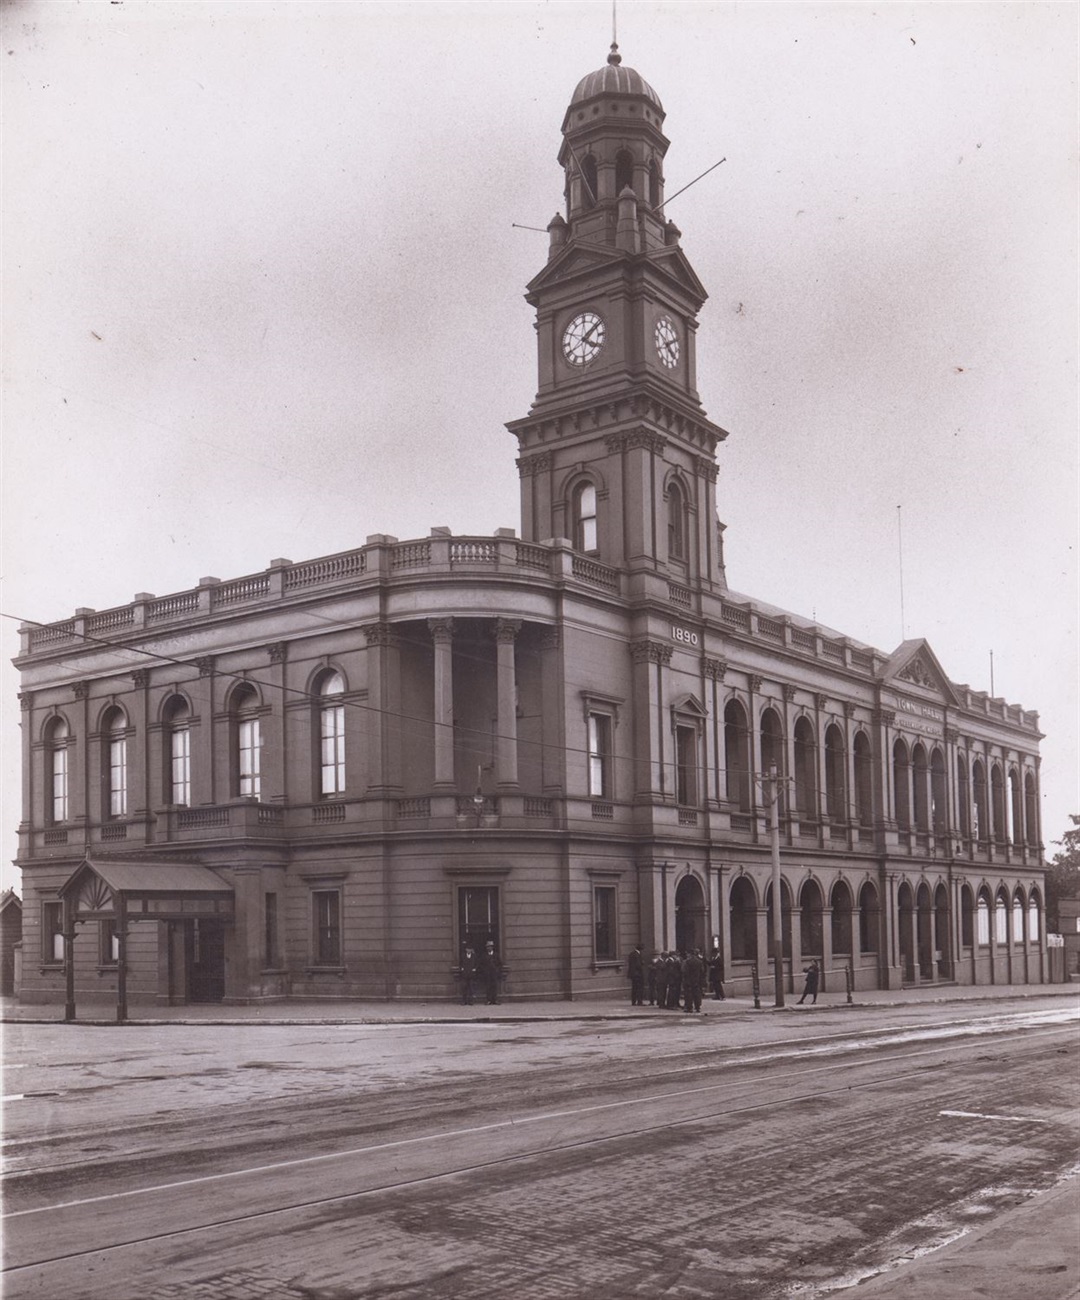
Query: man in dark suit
[635,969]
[490,970]
[470,968]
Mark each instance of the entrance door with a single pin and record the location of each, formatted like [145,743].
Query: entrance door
[689,915]
[204,952]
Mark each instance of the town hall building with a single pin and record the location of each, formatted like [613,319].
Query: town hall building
[325,779]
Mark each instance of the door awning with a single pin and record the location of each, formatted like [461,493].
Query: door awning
[158,890]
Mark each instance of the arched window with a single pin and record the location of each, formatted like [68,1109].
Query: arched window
[624,171]
[676,512]
[805,770]
[1031,811]
[963,795]
[982,915]
[331,735]
[584,518]
[841,919]
[1016,808]
[967,917]
[654,184]
[868,918]
[981,811]
[1001,918]
[588,181]
[1033,930]
[737,755]
[919,790]
[743,921]
[770,921]
[997,792]
[247,743]
[864,770]
[1018,917]
[939,819]
[901,785]
[177,718]
[115,763]
[57,738]
[835,802]
[772,742]
[811,930]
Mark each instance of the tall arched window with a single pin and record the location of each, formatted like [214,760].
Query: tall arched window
[743,907]
[331,735]
[901,785]
[624,171]
[805,770]
[737,755]
[1031,811]
[1016,808]
[1001,918]
[980,810]
[811,916]
[772,742]
[997,795]
[654,184]
[939,818]
[588,181]
[1018,917]
[584,518]
[177,718]
[1033,919]
[835,802]
[919,790]
[57,738]
[864,772]
[247,742]
[676,512]
[868,918]
[982,918]
[115,763]
[967,917]
[841,919]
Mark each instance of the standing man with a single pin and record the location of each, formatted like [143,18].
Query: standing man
[716,974]
[661,965]
[811,984]
[469,970]
[693,976]
[635,968]
[490,970]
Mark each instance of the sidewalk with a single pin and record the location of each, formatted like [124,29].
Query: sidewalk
[331,1012]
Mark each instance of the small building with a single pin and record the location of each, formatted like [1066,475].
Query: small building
[325,779]
[10,939]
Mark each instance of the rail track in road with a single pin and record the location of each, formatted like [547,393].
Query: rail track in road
[759,1108]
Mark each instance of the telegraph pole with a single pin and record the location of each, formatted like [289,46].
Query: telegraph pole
[778,904]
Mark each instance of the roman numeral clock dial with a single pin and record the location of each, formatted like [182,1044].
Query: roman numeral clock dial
[583,338]
[667,342]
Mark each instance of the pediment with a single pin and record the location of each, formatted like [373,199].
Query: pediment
[572,261]
[689,706]
[913,667]
[673,262]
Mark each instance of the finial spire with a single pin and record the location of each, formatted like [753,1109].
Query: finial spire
[614,58]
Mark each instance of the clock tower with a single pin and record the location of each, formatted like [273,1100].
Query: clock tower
[617,453]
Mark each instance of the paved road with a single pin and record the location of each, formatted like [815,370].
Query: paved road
[733,1155]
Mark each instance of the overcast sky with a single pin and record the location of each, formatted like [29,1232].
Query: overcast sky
[263,297]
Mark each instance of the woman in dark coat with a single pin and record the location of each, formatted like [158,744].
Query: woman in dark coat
[811,984]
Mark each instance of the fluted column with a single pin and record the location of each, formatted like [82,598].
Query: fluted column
[506,758]
[442,634]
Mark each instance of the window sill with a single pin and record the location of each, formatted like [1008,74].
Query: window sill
[324,970]
[606,965]
[51,967]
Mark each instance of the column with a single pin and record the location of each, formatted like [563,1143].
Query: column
[384,698]
[506,758]
[203,785]
[139,793]
[442,635]
[553,709]
[753,727]
[274,767]
[648,719]
[714,744]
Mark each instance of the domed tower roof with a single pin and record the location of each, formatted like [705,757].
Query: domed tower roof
[614,79]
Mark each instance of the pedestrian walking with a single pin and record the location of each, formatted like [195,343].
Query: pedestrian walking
[490,971]
[661,980]
[651,978]
[470,968]
[810,991]
[674,980]
[635,969]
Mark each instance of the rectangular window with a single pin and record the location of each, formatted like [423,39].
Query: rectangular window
[332,720]
[270,946]
[249,745]
[600,784]
[59,777]
[478,917]
[326,920]
[1033,922]
[180,769]
[686,766]
[1001,922]
[983,921]
[52,932]
[605,944]
[108,944]
[118,777]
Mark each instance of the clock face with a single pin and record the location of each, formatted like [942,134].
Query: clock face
[583,338]
[667,342]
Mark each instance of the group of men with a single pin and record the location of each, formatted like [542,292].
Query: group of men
[672,980]
[480,969]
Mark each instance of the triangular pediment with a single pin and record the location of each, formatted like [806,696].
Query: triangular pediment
[689,705]
[572,261]
[674,263]
[914,667]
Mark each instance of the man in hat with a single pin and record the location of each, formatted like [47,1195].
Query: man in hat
[635,969]
[811,984]
[490,970]
[469,969]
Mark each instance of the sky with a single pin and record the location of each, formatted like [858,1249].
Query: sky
[263,297]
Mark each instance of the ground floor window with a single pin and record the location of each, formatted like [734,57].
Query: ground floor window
[52,932]
[478,917]
[983,920]
[605,940]
[270,919]
[108,944]
[326,925]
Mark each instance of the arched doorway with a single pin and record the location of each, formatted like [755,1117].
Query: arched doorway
[690,915]
[925,931]
[905,907]
[942,944]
